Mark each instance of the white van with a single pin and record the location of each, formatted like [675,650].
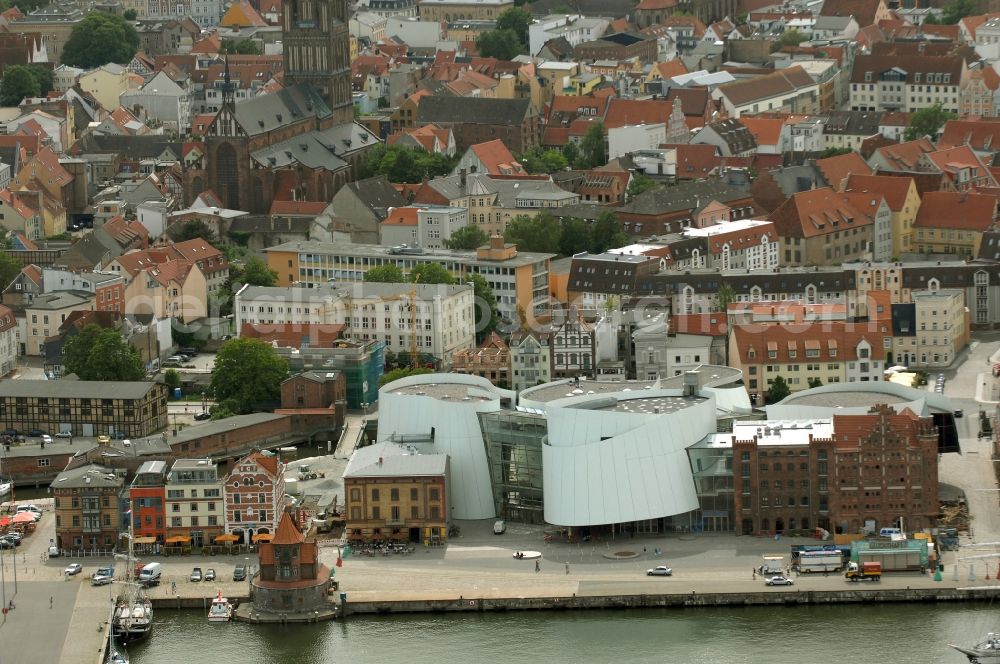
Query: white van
[53,552]
[150,575]
[891,533]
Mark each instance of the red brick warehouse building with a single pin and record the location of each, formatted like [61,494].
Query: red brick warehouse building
[841,474]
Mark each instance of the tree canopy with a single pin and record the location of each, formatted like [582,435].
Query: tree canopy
[248,374]
[396,374]
[608,233]
[9,269]
[389,274]
[100,353]
[467,238]
[954,12]
[639,184]
[792,38]
[779,390]
[100,38]
[539,233]
[515,19]
[593,151]
[18,82]
[576,235]
[487,314]
[500,44]
[431,273]
[241,47]
[540,160]
[406,164]
[927,122]
[544,233]
[190,230]
[257,273]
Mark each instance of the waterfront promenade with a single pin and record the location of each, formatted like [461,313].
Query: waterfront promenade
[476,566]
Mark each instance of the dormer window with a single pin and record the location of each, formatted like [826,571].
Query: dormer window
[916,77]
[868,77]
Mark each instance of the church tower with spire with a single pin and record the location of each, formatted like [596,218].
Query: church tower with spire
[316,46]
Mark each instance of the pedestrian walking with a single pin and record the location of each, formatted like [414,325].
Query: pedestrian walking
[567,568]
[50,601]
[173,587]
[754,575]
[538,567]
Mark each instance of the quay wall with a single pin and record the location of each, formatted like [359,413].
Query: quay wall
[789,597]
[693,599]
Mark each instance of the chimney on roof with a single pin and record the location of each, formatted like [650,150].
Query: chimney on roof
[461,178]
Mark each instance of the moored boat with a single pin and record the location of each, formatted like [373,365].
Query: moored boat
[221,609]
[988,650]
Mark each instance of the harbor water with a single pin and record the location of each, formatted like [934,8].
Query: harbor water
[847,634]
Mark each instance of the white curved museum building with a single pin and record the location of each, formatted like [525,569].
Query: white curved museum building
[568,453]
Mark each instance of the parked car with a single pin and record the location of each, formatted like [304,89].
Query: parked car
[64,434]
[14,537]
[662,570]
[46,438]
[499,527]
[240,573]
[210,574]
[31,507]
[778,581]
[959,412]
[6,543]
[73,569]
[104,440]
[203,415]
[36,432]
[101,580]
[196,574]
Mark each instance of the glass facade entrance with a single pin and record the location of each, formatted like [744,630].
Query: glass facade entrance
[514,443]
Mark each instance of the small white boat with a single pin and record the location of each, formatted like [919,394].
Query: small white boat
[986,651]
[221,610]
[5,488]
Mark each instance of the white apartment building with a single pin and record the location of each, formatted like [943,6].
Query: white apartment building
[930,331]
[443,320]
[195,506]
[436,224]
[750,244]
[261,306]
[575,28]
[530,360]
[9,348]
[906,83]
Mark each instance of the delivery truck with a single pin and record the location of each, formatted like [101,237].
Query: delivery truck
[866,571]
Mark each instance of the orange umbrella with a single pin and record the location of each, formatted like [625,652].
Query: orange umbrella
[24,517]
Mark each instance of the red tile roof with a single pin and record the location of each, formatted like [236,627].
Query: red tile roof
[496,158]
[713,324]
[623,112]
[904,156]
[401,216]
[766,131]
[955,210]
[837,169]
[287,532]
[895,190]
[835,341]
[305,208]
[950,160]
[816,212]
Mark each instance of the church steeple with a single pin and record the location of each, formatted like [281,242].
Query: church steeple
[228,93]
